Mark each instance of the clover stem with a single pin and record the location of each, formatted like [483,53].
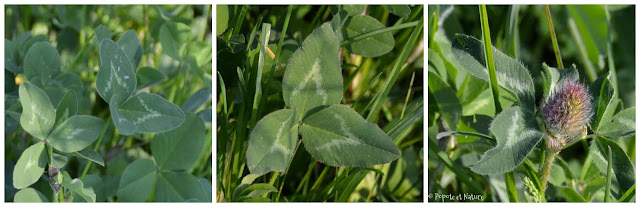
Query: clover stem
[95,148]
[545,170]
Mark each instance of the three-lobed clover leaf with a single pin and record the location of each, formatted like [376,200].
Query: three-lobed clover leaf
[332,133]
[173,151]
[116,83]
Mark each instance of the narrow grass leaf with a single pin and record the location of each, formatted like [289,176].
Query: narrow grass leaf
[197,99]
[256,190]
[517,134]
[313,75]
[38,115]
[76,133]
[116,75]
[30,166]
[622,165]
[339,136]
[272,142]
[179,148]
[446,100]
[369,47]
[137,181]
[42,61]
[151,113]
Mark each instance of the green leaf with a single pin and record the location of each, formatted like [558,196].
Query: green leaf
[173,38]
[196,100]
[151,113]
[42,62]
[313,75]
[76,133]
[207,188]
[354,9]
[517,134]
[244,184]
[201,51]
[94,182]
[38,115]
[256,190]
[59,161]
[116,75]
[12,57]
[446,100]
[76,186]
[90,155]
[592,22]
[147,76]
[571,194]
[123,125]
[137,181]
[30,166]
[402,11]
[272,142]
[68,107]
[101,33]
[29,195]
[552,76]
[205,114]
[339,136]
[511,74]
[623,124]
[222,18]
[374,46]
[604,103]
[178,187]
[622,166]
[179,148]
[130,45]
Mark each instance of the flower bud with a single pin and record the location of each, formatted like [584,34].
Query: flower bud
[566,114]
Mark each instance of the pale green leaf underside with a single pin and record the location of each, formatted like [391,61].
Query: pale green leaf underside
[59,161]
[622,165]
[255,191]
[339,136]
[90,155]
[151,113]
[76,186]
[38,115]
[148,76]
[178,187]
[313,76]
[272,142]
[130,45]
[173,36]
[29,195]
[101,32]
[517,134]
[116,75]
[623,124]
[179,148]
[76,133]
[369,47]
[511,74]
[41,62]
[137,181]
[30,166]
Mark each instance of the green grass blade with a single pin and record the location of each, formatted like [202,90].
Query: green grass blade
[376,32]
[554,40]
[589,67]
[488,56]
[607,189]
[395,72]
[264,43]
[513,35]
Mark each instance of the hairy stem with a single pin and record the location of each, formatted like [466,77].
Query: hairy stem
[545,169]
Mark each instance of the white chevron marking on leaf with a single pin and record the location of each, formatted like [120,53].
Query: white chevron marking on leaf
[351,139]
[153,113]
[317,79]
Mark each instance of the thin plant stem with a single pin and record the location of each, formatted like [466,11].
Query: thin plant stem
[377,32]
[545,170]
[95,148]
[554,39]
[607,189]
[488,56]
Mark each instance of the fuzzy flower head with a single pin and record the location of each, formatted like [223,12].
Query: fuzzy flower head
[566,114]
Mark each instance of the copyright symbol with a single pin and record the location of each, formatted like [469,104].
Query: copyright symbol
[430,196]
